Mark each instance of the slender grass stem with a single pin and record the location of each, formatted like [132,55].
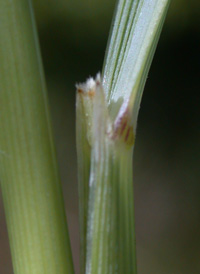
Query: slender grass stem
[109,236]
[29,177]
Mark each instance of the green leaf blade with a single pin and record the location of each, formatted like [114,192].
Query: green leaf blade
[129,55]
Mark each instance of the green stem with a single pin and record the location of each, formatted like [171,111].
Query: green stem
[83,106]
[111,127]
[108,221]
[28,171]
[111,232]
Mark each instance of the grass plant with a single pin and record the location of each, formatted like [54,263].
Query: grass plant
[106,110]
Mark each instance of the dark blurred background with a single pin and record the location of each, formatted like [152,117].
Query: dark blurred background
[73,37]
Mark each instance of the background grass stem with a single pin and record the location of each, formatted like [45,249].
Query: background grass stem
[28,171]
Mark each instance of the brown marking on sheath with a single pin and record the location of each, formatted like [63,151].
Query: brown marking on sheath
[127,134]
[123,129]
[98,83]
[91,93]
[79,90]
[131,137]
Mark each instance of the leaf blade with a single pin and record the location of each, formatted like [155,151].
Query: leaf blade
[127,62]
